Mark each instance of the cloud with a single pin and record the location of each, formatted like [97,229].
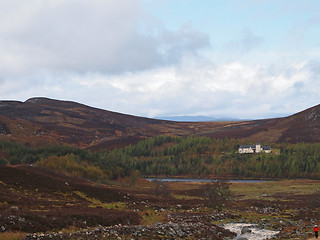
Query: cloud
[187,41]
[190,88]
[88,36]
[113,55]
[233,89]
[247,42]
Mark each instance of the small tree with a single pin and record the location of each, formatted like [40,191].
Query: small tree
[160,189]
[134,176]
[217,194]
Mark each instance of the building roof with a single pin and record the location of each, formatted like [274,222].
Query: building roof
[247,146]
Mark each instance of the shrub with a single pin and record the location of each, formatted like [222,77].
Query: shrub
[69,165]
[217,194]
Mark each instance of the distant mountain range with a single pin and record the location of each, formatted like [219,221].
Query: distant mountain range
[197,118]
[44,121]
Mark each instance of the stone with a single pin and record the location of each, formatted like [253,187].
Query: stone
[245,230]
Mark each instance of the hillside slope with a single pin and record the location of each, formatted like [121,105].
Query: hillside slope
[35,199]
[51,121]
[300,127]
[43,121]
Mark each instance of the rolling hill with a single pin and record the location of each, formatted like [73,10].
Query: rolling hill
[300,127]
[44,121]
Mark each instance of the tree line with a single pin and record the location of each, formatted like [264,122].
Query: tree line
[180,156]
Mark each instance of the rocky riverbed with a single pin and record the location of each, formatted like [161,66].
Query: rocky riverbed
[169,230]
[250,231]
[179,226]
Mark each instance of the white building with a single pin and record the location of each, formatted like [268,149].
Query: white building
[258,148]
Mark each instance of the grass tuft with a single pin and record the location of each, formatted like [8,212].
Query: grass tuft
[12,235]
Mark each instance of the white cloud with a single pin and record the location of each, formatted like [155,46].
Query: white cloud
[114,56]
[233,89]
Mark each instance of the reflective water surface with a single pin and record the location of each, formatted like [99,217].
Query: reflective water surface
[201,180]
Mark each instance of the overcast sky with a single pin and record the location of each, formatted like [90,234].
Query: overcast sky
[244,59]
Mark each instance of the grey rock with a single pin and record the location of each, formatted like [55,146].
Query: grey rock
[246,230]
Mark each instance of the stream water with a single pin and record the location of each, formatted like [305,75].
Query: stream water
[255,234]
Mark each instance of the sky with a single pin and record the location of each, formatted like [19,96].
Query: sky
[245,59]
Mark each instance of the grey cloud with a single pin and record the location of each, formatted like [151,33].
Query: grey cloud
[89,36]
[298,88]
[247,43]
[314,66]
[185,41]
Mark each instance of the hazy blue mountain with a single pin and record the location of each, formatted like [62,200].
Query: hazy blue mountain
[197,118]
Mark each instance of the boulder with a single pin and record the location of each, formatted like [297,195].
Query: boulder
[246,230]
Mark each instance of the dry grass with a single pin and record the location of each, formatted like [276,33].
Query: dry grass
[12,235]
[150,217]
[186,197]
[184,185]
[97,203]
[183,190]
[256,190]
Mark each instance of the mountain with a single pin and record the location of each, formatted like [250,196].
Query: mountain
[44,121]
[197,119]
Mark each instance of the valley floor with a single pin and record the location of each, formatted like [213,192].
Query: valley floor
[37,203]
